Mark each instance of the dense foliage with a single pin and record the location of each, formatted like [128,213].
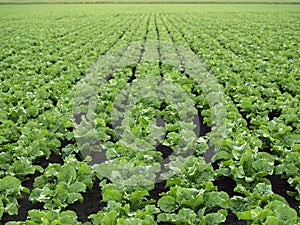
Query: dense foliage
[252,51]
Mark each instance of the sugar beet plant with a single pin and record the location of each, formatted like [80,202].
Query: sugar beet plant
[149,116]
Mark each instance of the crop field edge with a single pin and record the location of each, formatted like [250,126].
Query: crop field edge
[155,2]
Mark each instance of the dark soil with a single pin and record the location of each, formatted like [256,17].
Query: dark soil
[158,189]
[232,219]
[280,186]
[25,204]
[225,184]
[91,204]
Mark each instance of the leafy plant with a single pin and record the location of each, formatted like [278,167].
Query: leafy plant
[45,217]
[10,191]
[60,186]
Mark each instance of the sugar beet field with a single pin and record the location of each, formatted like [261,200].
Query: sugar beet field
[144,114]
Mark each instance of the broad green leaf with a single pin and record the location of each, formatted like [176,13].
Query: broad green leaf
[187,216]
[129,221]
[112,195]
[10,185]
[110,218]
[68,217]
[172,139]
[73,197]
[77,187]
[214,218]
[137,197]
[166,217]
[285,213]
[11,208]
[52,170]
[273,220]
[216,198]
[167,204]
[97,218]
[152,209]
[67,173]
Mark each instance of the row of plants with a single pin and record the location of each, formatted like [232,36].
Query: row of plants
[36,103]
[133,124]
[272,139]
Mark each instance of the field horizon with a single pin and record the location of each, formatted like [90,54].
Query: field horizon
[150,1]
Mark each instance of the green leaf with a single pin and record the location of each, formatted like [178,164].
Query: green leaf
[216,198]
[152,209]
[166,217]
[172,139]
[11,208]
[214,218]
[285,213]
[33,111]
[247,215]
[291,139]
[167,204]
[10,185]
[129,221]
[77,187]
[273,220]
[97,218]
[19,223]
[73,197]
[112,195]
[263,189]
[102,134]
[37,215]
[194,202]
[68,217]
[67,123]
[137,197]
[187,216]
[3,116]
[263,162]
[2,140]
[1,209]
[52,170]
[110,218]
[67,173]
